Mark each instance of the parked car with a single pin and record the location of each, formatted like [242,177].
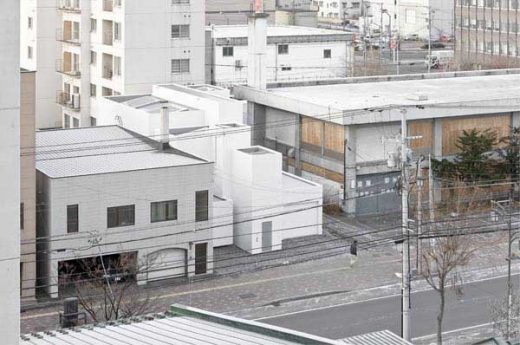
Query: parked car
[434,45]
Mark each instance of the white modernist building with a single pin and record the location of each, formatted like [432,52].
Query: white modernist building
[83,50]
[10,171]
[135,197]
[268,204]
[293,53]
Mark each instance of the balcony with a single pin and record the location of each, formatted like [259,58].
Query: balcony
[108,5]
[68,68]
[68,6]
[70,101]
[68,36]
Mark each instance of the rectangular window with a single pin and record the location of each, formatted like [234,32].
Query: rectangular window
[93,90]
[327,53]
[22,215]
[227,51]
[163,211]
[180,65]
[180,31]
[283,49]
[29,22]
[72,218]
[286,68]
[105,91]
[66,121]
[29,52]
[120,216]
[93,25]
[201,206]
[93,121]
[75,122]
[93,57]
[117,31]
[117,65]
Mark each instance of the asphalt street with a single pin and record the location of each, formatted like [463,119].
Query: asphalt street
[384,313]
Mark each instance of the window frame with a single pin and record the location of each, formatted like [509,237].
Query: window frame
[226,50]
[201,211]
[73,223]
[283,49]
[119,213]
[164,204]
[327,53]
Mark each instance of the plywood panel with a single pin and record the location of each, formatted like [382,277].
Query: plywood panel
[334,137]
[422,128]
[452,129]
[311,131]
[319,171]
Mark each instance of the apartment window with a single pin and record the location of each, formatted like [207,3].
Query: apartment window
[201,206]
[93,121]
[22,216]
[93,90]
[163,211]
[327,54]
[117,31]
[66,121]
[75,122]
[105,91]
[93,25]
[283,49]
[180,31]
[72,218]
[227,51]
[29,22]
[120,216]
[180,65]
[93,57]
[117,65]
[286,68]
[29,52]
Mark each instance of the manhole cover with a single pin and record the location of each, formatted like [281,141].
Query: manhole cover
[247,296]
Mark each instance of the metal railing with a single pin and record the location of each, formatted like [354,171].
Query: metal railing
[71,101]
[69,5]
[68,37]
[70,69]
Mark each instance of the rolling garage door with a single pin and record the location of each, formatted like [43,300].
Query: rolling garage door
[167,264]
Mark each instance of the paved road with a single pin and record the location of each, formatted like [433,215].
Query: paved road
[383,313]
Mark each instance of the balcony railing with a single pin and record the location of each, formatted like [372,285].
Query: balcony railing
[71,101]
[108,5]
[68,37]
[68,5]
[108,72]
[70,69]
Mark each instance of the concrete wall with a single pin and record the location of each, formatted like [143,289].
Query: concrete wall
[222,222]
[28,184]
[231,12]
[10,170]
[42,38]
[305,60]
[94,193]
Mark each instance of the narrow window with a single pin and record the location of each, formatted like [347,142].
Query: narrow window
[72,218]
[163,211]
[22,215]
[201,206]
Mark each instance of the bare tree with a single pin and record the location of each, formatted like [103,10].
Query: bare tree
[440,264]
[505,316]
[108,291]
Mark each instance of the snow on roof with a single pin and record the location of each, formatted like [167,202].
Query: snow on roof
[99,150]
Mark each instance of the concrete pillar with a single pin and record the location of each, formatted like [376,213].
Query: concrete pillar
[257,51]
[257,120]
[350,171]
[52,280]
[297,146]
[515,119]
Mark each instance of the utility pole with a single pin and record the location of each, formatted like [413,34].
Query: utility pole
[430,189]
[419,184]
[405,283]
[429,39]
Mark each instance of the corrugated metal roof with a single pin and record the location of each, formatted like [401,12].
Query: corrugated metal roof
[171,330]
[99,150]
[376,338]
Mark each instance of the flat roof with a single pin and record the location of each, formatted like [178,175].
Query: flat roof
[406,92]
[191,327]
[149,103]
[100,150]
[238,31]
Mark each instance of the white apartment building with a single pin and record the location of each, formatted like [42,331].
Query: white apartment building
[110,47]
[268,205]
[135,197]
[294,53]
[10,171]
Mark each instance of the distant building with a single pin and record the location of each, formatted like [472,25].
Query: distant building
[296,12]
[345,130]
[84,50]
[135,198]
[27,186]
[232,12]
[293,54]
[487,32]
[268,204]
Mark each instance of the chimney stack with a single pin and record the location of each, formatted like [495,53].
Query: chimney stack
[164,138]
[257,48]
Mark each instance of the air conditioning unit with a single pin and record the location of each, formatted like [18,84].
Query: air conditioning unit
[75,100]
